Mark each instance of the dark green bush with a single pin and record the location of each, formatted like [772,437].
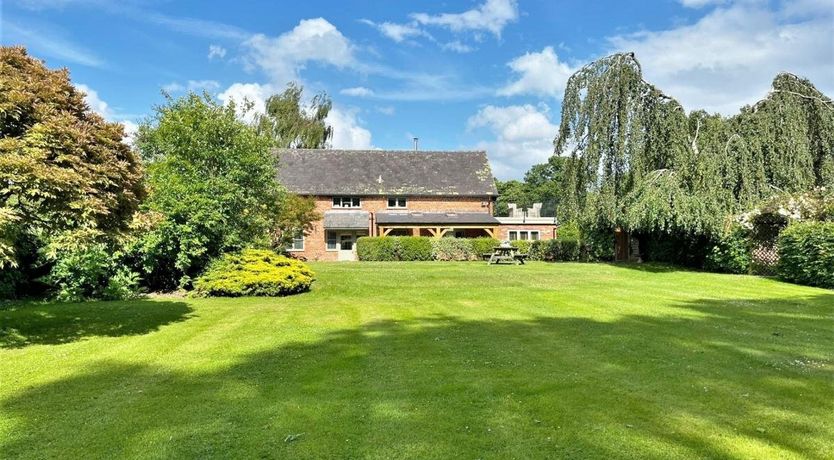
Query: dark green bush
[730,253]
[483,245]
[254,272]
[599,244]
[806,253]
[569,250]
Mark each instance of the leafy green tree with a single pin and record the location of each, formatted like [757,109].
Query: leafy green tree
[212,188]
[640,163]
[62,167]
[541,184]
[291,125]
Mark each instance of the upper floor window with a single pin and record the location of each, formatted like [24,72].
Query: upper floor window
[397,202]
[524,235]
[346,202]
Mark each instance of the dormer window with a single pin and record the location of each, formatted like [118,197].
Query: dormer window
[397,202]
[347,202]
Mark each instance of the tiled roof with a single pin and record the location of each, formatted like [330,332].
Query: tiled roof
[346,219]
[385,172]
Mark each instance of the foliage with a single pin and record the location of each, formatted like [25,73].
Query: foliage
[254,272]
[569,230]
[483,245]
[290,125]
[731,253]
[414,248]
[523,246]
[376,248]
[297,215]
[806,253]
[62,167]
[212,185]
[640,163]
[451,249]
[394,248]
[85,266]
[542,184]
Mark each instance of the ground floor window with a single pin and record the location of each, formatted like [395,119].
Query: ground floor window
[524,235]
[331,241]
[297,243]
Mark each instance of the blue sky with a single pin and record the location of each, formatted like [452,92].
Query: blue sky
[472,74]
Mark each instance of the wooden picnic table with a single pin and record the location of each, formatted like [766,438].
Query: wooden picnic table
[506,254]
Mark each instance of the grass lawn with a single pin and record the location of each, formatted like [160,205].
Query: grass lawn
[431,360]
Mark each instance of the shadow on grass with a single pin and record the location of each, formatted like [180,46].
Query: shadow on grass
[32,323]
[651,267]
[716,379]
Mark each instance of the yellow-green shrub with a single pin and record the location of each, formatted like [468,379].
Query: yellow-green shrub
[254,272]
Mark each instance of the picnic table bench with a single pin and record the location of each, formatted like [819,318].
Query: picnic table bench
[505,254]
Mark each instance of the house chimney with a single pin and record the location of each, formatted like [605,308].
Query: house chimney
[416,147]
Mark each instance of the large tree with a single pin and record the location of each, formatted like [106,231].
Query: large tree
[62,167]
[212,188]
[290,124]
[642,164]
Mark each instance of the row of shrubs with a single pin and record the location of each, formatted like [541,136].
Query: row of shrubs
[805,254]
[417,248]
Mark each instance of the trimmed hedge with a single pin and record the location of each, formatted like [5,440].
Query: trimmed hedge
[394,248]
[410,248]
[254,272]
[806,254]
[452,249]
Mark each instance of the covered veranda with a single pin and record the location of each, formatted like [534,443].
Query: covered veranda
[437,224]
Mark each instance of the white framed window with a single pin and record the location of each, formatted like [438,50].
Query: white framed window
[332,244]
[524,235]
[297,243]
[347,202]
[397,202]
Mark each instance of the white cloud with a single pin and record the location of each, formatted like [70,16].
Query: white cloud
[216,51]
[386,110]
[492,16]
[396,32]
[95,102]
[729,57]
[541,74]
[192,85]
[523,137]
[457,46]
[99,106]
[347,130]
[253,93]
[358,91]
[312,40]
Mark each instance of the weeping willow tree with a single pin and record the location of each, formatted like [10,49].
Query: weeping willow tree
[643,165]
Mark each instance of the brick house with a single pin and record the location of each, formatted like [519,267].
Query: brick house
[387,193]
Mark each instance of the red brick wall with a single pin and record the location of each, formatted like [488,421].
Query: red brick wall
[546,231]
[315,243]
